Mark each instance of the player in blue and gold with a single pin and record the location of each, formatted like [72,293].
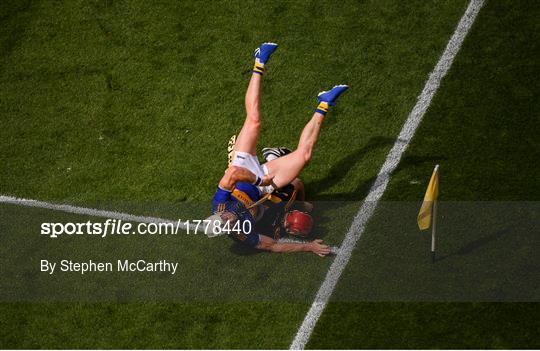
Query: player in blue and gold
[246,180]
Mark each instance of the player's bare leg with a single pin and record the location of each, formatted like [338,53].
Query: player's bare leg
[247,139]
[249,134]
[286,168]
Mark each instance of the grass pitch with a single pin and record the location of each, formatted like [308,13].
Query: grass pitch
[108,101]
[480,130]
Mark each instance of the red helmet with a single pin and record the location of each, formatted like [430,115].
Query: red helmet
[298,223]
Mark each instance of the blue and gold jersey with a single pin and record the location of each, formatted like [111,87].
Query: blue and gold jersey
[238,202]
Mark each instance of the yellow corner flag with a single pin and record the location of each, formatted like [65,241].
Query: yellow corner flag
[425,214]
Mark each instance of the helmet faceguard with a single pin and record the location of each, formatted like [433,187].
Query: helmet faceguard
[298,223]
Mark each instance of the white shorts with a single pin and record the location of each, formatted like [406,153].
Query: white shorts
[251,163]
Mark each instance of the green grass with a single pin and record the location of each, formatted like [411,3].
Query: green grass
[109,100]
[128,326]
[392,325]
[481,129]
[129,105]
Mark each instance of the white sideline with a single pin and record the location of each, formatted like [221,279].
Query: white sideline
[378,188]
[111,214]
[85,211]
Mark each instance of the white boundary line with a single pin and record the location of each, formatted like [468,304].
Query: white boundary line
[109,214]
[378,188]
[85,211]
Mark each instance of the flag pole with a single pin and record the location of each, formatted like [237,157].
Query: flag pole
[434,220]
[433,231]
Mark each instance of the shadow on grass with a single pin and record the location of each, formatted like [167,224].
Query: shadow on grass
[243,250]
[340,170]
[414,161]
[477,244]
[14,21]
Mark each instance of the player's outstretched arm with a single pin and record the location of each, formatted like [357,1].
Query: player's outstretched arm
[316,246]
[236,174]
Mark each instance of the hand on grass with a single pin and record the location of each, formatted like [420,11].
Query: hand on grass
[318,248]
